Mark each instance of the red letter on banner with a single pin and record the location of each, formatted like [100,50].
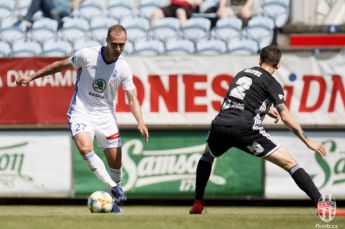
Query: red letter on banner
[288,95]
[322,85]
[219,90]
[122,105]
[337,86]
[191,92]
[170,95]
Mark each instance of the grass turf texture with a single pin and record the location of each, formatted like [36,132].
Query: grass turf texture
[151,217]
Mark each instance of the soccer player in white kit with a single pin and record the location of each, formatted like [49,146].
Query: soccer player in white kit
[101,70]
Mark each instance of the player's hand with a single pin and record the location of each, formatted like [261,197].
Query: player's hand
[273,113]
[23,80]
[316,146]
[144,131]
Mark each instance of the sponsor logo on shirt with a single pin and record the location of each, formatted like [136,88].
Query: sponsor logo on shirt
[99,85]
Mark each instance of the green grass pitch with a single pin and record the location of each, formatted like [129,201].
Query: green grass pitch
[162,217]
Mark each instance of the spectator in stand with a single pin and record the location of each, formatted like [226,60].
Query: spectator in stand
[244,9]
[55,9]
[216,6]
[181,9]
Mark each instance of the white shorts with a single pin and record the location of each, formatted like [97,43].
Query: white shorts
[103,127]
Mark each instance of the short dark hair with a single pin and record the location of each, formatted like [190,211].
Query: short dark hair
[116,28]
[270,55]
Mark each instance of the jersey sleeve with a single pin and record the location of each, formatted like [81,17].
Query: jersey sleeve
[276,93]
[78,59]
[127,78]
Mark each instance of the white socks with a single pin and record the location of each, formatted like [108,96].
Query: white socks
[97,166]
[115,174]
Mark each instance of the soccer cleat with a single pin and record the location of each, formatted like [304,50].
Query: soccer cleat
[116,209]
[197,208]
[118,194]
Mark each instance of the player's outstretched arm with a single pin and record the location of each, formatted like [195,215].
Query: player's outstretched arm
[295,127]
[136,111]
[54,67]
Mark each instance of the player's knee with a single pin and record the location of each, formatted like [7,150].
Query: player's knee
[85,149]
[288,164]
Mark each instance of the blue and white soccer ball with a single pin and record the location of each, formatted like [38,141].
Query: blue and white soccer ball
[100,202]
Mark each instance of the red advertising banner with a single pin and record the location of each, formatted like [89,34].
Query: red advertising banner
[175,91]
[44,101]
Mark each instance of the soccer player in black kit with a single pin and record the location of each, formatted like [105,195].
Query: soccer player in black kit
[253,93]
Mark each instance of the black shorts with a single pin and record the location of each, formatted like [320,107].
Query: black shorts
[170,11]
[256,142]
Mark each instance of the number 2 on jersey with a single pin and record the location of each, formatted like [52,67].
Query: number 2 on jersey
[242,84]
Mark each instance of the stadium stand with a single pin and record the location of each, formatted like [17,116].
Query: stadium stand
[180,47]
[197,29]
[6,8]
[99,27]
[227,29]
[5,49]
[74,29]
[137,27]
[43,29]
[260,29]
[148,47]
[166,28]
[24,48]
[243,46]
[119,9]
[54,47]
[93,17]
[211,47]
[90,9]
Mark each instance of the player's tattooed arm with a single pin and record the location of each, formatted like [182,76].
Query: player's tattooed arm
[291,123]
[300,133]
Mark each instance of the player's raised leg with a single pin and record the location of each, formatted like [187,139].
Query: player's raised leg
[284,160]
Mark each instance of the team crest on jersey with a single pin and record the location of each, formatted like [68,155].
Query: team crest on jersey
[99,85]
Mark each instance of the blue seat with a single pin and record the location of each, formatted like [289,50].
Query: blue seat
[99,27]
[227,29]
[54,47]
[119,9]
[43,29]
[260,29]
[11,30]
[243,46]
[211,47]
[278,10]
[5,49]
[180,47]
[196,29]
[74,29]
[137,28]
[90,9]
[147,7]
[129,48]
[166,28]
[24,48]
[82,43]
[148,47]
[6,8]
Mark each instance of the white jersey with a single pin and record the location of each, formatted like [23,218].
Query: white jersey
[98,81]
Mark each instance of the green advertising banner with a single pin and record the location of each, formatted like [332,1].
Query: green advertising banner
[166,165]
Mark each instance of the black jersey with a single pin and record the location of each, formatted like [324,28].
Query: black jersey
[249,97]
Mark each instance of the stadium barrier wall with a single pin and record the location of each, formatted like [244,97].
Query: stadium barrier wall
[174,92]
[35,164]
[179,91]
